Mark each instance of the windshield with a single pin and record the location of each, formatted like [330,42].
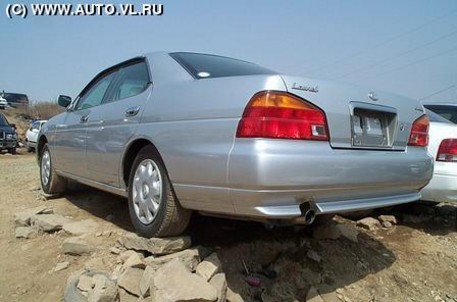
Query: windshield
[3,121]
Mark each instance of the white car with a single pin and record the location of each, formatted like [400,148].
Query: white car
[446,110]
[31,135]
[443,147]
[3,103]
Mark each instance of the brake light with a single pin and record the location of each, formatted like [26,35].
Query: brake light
[419,132]
[447,150]
[272,114]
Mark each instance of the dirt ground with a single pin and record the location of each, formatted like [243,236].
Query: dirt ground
[415,260]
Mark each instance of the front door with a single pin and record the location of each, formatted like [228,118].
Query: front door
[71,135]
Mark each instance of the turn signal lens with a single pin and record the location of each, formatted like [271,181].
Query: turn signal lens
[419,132]
[272,114]
[447,150]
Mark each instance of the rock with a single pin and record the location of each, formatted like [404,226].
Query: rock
[209,267]
[48,222]
[219,282]
[387,218]
[313,295]
[145,282]
[173,282]
[348,231]
[135,260]
[85,283]
[369,223]
[233,297]
[25,232]
[75,246]
[72,293]
[125,296]
[125,255]
[115,250]
[314,256]
[327,231]
[156,246]
[116,272]
[104,290]
[387,224]
[23,218]
[190,258]
[130,280]
[61,266]
[327,293]
[80,227]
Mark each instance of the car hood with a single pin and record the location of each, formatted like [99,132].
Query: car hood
[7,129]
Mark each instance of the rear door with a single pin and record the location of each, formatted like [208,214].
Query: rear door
[114,122]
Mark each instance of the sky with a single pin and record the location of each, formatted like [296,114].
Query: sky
[406,47]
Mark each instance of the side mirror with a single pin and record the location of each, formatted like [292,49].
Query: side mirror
[13,126]
[64,100]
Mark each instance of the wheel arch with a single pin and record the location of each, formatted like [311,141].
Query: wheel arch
[130,155]
[43,140]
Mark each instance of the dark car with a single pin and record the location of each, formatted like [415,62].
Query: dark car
[8,136]
[16,99]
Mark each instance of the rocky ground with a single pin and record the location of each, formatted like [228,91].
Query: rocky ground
[81,247]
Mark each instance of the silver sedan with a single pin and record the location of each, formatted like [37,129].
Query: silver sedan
[176,132]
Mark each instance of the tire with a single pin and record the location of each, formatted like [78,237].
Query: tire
[12,150]
[153,207]
[51,183]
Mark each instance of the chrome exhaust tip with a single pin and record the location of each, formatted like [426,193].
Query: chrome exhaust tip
[308,214]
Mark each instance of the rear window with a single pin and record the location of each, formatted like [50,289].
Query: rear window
[210,66]
[446,111]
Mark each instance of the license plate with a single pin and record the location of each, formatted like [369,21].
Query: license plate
[369,128]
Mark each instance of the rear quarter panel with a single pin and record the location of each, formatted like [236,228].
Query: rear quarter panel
[193,125]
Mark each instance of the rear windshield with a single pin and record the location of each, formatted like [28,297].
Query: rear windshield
[436,117]
[446,111]
[210,66]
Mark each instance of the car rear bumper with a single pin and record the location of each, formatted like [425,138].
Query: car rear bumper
[443,186]
[274,179]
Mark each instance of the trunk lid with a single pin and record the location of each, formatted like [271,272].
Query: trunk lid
[360,118]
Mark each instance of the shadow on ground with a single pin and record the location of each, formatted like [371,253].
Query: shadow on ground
[284,264]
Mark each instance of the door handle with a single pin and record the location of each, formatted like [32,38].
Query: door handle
[84,118]
[132,111]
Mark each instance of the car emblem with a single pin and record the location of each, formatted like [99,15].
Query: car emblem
[372,96]
[305,87]
[402,127]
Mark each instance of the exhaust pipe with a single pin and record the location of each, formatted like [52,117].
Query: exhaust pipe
[308,214]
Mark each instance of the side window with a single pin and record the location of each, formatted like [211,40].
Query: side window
[94,96]
[132,80]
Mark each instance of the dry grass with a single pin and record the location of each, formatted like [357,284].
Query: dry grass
[41,111]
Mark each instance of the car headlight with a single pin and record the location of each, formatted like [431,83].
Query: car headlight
[11,136]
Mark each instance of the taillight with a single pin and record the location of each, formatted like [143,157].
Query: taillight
[419,132]
[272,114]
[447,150]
